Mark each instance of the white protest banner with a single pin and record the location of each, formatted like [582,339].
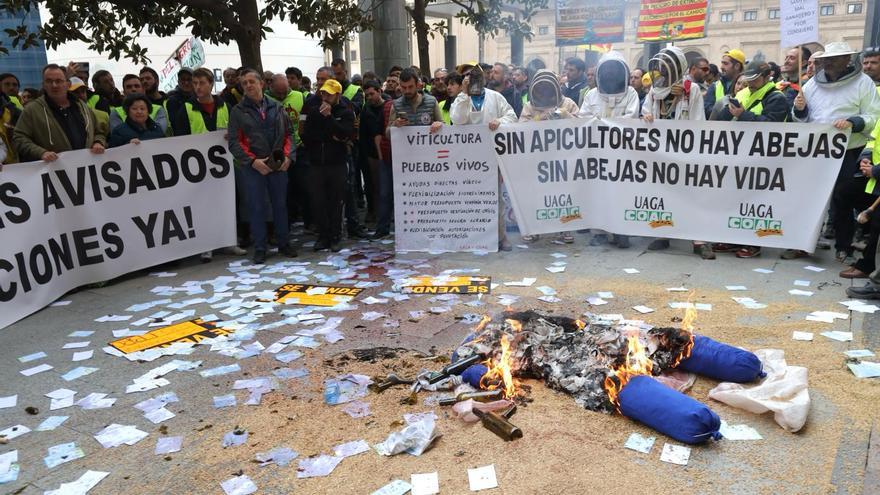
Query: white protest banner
[732,182]
[798,22]
[86,218]
[445,189]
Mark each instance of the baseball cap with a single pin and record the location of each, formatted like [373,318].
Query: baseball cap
[755,69]
[737,55]
[332,87]
[75,83]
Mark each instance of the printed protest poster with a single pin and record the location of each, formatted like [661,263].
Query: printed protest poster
[315,295]
[589,22]
[763,184]
[87,218]
[188,331]
[445,189]
[446,285]
[670,20]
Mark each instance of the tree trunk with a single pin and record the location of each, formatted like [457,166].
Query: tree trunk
[248,36]
[417,12]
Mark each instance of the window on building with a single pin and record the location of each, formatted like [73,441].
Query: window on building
[773,14]
[750,15]
[827,9]
[727,17]
[853,8]
[543,30]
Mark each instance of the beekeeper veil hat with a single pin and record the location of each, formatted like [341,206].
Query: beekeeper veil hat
[667,68]
[545,92]
[612,75]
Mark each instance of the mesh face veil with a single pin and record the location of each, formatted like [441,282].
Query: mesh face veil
[612,75]
[667,68]
[545,92]
[476,81]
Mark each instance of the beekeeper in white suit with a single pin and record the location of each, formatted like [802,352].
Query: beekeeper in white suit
[477,104]
[612,97]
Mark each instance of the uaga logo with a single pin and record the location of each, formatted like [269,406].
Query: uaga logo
[757,217]
[559,208]
[649,210]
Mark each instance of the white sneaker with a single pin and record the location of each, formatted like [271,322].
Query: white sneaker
[235,251]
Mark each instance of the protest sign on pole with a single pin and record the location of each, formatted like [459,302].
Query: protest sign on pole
[798,22]
[764,184]
[190,53]
[86,218]
[445,189]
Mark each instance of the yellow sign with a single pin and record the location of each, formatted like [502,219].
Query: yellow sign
[447,285]
[315,295]
[188,331]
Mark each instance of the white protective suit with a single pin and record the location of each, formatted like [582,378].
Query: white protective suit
[612,96]
[495,107]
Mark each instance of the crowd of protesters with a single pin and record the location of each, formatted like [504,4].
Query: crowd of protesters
[320,153]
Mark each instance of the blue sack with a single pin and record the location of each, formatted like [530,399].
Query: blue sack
[722,362]
[473,374]
[668,411]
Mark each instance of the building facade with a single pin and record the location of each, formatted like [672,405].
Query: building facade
[26,64]
[750,25]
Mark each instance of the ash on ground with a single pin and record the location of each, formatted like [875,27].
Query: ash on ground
[571,355]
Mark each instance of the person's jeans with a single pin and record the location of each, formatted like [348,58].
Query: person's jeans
[386,197]
[328,183]
[258,186]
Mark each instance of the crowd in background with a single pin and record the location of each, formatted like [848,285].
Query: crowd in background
[319,152]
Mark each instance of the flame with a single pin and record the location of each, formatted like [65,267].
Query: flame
[483,322]
[687,324]
[500,371]
[516,325]
[636,363]
[580,324]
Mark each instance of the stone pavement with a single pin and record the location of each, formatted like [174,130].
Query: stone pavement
[589,269]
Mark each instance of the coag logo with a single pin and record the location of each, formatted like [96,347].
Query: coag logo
[757,217]
[650,210]
[563,214]
[762,226]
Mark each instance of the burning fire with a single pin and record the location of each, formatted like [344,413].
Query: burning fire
[636,363]
[499,374]
[580,324]
[687,324]
[516,325]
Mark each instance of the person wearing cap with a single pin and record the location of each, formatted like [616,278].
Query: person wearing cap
[327,135]
[260,141]
[672,97]
[759,101]
[732,64]
[612,97]
[842,95]
[179,95]
[131,85]
[477,104]
[57,122]
[871,64]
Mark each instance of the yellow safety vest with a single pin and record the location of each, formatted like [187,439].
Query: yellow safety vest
[15,101]
[93,100]
[197,121]
[875,152]
[748,99]
[719,90]
[292,105]
[444,114]
[154,110]
[350,91]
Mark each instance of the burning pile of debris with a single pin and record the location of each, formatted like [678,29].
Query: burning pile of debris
[572,356]
[606,366]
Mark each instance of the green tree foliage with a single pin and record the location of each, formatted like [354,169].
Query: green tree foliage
[112,27]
